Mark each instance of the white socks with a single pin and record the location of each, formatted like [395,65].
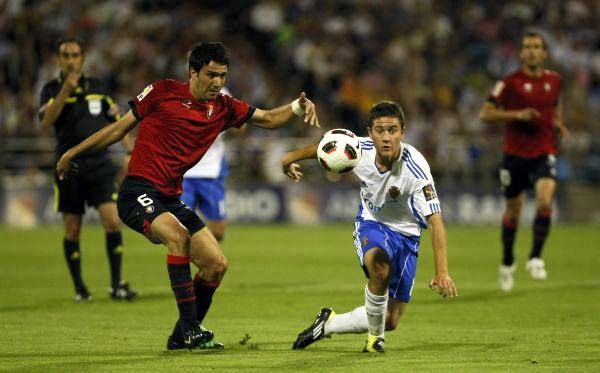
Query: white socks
[354,322]
[370,317]
[375,306]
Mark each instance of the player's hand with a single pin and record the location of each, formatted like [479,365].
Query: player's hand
[64,165]
[445,285]
[563,131]
[292,171]
[72,81]
[528,114]
[310,110]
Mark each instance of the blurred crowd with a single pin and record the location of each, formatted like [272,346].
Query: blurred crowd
[439,59]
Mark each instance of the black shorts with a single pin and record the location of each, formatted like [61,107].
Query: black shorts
[139,203]
[94,184]
[518,174]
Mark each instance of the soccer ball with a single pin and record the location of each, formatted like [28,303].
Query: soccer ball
[339,151]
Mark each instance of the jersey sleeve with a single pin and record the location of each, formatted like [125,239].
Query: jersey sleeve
[366,143]
[46,98]
[239,112]
[146,101]
[425,202]
[500,93]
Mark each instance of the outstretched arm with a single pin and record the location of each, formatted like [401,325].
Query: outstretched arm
[292,169]
[108,135]
[276,118]
[442,278]
[490,113]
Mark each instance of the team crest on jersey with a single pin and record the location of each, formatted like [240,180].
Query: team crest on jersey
[429,193]
[186,104]
[145,92]
[209,111]
[394,192]
[527,87]
[547,87]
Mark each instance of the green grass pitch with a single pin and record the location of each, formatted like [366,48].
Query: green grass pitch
[279,277]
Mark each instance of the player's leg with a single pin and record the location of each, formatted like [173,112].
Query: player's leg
[514,180]
[510,223]
[168,229]
[379,267]
[114,249]
[145,210]
[206,254]
[544,194]
[395,310]
[70,201]
[101,192]
[72,252]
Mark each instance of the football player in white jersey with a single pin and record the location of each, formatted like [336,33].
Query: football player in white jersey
[204,186]
[398,200]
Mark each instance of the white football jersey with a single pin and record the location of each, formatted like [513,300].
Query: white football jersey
[400,198]
[210,165]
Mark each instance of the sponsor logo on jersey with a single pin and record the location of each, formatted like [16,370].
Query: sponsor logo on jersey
[145,92]
[429,193]
[547,87]
[209,111]
[186,104]
[527,87]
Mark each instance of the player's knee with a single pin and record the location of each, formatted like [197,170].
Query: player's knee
[219,234]
[544,208]
[112,225]
[391,323]
[215,269]
[72,232]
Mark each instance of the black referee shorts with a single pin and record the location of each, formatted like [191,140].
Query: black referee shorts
[139,203]
[94,184]
[518,174]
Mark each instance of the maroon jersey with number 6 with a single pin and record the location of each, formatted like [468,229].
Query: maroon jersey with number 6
[519,91]
[176,130]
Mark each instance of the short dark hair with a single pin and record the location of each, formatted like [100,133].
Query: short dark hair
[532,33]
[203,53]
[386,109]
[68,39]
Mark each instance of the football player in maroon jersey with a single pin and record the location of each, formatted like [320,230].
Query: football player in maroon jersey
[527,103]
[178,121]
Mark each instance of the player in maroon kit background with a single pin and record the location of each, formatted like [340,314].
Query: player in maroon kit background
[178,123]
[527,102]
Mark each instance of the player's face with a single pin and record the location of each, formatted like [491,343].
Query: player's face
[387,133]
[70,58]
[207,83]
[533,53]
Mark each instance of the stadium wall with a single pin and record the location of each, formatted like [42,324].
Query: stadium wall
[27,203]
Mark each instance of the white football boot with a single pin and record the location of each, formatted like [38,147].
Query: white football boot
[506,277]
[536,269]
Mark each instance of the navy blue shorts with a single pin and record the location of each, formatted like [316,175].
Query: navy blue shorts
[206,194]
[402,251]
